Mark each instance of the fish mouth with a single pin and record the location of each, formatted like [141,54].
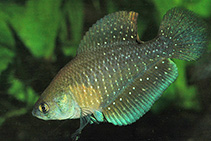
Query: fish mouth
[33,113]
[36,114]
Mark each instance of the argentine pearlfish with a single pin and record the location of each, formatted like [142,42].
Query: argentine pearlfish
[115,77]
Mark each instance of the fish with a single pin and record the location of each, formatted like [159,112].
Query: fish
[115,77]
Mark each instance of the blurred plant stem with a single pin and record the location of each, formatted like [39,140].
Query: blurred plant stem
[13,113]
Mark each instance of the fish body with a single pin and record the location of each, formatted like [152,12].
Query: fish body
[115,77]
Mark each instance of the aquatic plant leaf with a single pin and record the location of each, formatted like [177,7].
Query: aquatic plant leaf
[187,94]
[6,57]
[21,92]
[96,4]
[69,49]
[201,7]
[12,113]
[37,26]
[209,46]
[164,5]
[5,34]
[111,7]
[75,16]
[6,40]
[1,120]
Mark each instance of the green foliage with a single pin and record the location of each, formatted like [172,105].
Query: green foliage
[6,43]
[5,34]
[21,92]
[6,57]
[75,16]
[50,29]
[111,7]
[12,113]
[38,26]
[201,7]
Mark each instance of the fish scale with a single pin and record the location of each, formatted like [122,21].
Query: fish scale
[120,74]
[115,77]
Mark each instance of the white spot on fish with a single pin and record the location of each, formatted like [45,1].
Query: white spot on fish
[106,68]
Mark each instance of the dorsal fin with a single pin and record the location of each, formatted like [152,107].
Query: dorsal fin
[116,28]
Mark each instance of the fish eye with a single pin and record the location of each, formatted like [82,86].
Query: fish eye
[43,107]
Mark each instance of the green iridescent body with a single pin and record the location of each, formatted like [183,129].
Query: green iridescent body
[115,77]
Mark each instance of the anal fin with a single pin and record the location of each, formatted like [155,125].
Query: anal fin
[140,95]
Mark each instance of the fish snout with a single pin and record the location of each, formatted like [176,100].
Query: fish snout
[35,112]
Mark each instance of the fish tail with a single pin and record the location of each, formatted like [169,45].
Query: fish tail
[183,34]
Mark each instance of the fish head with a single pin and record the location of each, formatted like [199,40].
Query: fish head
[55,104]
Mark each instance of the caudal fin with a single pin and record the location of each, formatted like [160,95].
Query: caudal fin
[185,34]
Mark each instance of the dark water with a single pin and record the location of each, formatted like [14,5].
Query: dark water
[173,122]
